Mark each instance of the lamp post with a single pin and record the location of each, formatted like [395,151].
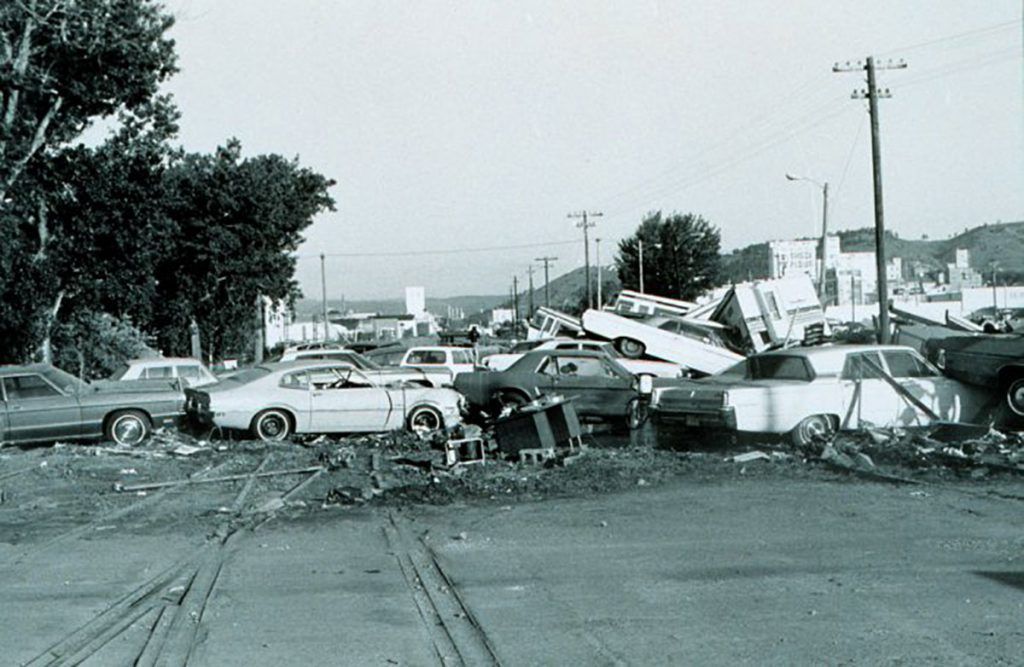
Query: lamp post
[824,232]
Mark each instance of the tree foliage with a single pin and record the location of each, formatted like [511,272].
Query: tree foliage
[681,256]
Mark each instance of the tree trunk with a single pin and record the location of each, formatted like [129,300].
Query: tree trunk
[47,346]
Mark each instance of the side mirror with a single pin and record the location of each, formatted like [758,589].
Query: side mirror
[644,384]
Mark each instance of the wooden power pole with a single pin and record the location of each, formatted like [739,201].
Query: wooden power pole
[872,95]
[585,226]
[547,262]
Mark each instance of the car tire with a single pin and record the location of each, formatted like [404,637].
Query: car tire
[510,398]
[812,430]
[425,420]
[636,414]
[1015,396]
[272,425]
[630,348]
[127,427]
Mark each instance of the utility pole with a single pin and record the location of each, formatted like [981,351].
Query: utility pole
[872,94]
[529,296]
[585,225]
[640,250]
[515,304]
[547,261]
[600,302]
[323,295]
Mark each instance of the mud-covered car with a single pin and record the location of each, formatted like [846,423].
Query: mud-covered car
[992,361]
[600,387]
[40,403]
[272,401]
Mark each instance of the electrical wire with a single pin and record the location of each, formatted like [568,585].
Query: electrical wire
[983,31]
[439,251]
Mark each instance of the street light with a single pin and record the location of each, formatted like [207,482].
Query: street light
[824,230]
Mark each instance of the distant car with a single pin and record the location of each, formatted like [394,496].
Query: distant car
[995,361]
[430,377]
[192,372]
[455,360]
[599,386]
[275,400]
[40,403]
[500,362]
[812,392]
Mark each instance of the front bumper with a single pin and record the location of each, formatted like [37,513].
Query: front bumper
[721,418]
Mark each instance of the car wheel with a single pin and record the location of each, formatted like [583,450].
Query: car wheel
[629,348]
[128,427]
[1015,396]
[424,420]
[636,414]
[272,425]
[813,429]
[508,398]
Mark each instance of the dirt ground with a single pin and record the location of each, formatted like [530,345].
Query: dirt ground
[647,548]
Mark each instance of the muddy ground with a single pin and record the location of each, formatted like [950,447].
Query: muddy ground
[644,548]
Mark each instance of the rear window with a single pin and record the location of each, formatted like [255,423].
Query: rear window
[779,367]
[249,375]
[426,357]
[462,357]
[157,372]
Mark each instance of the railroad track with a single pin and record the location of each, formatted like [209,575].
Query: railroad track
[456,635]
[172,604]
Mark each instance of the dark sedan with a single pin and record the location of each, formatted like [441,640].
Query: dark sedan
[994,361]
[40,403]
[599,386]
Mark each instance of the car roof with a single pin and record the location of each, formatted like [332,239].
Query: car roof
[12,369]
[275,366]
[827,350]
[564,353]
[146,361]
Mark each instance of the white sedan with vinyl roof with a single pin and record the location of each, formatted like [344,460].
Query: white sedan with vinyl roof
[812,392]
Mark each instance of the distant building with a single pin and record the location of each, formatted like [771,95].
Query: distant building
[959,275]
[415,300]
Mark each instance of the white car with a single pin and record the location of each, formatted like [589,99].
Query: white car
[275,400]
[666,369]
[696,345]
[812,392]
[192,372]
[454,359]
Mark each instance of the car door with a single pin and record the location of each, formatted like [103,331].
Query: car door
[593,384]
[937,392]
[343,400]
[867,399]
[38,410]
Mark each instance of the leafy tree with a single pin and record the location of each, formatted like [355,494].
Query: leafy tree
[681,256]
[237,224]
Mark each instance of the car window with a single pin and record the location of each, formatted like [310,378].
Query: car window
[189,372]
[349,379]
[20,387]
[120,372]
[907,365]
[426,357]
[737,370]
[157,372]
[566,346]
[549,367]
[671,325]
[855,368]
[779,367]
[583,367]
[462,357]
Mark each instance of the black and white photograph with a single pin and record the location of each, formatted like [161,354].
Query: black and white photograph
[458,333]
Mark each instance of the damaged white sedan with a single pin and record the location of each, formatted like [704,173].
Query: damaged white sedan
[810,393]
[273,401]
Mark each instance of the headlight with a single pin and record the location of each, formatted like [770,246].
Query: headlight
[725,399]
[940,359]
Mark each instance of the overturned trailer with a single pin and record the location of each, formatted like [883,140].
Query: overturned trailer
[549,323]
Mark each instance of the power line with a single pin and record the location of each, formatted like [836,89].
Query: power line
[446,251]
[996,27]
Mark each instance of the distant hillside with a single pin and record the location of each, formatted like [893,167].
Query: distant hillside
[470,304]
[568,291]
[1002,243]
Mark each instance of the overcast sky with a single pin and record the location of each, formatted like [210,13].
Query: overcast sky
[462,125]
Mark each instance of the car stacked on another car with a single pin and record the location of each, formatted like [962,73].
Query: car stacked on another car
[812,392]
[275,400]
[500,362]
[41,403]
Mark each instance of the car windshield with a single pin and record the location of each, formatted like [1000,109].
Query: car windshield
[119,373]
[65,381]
